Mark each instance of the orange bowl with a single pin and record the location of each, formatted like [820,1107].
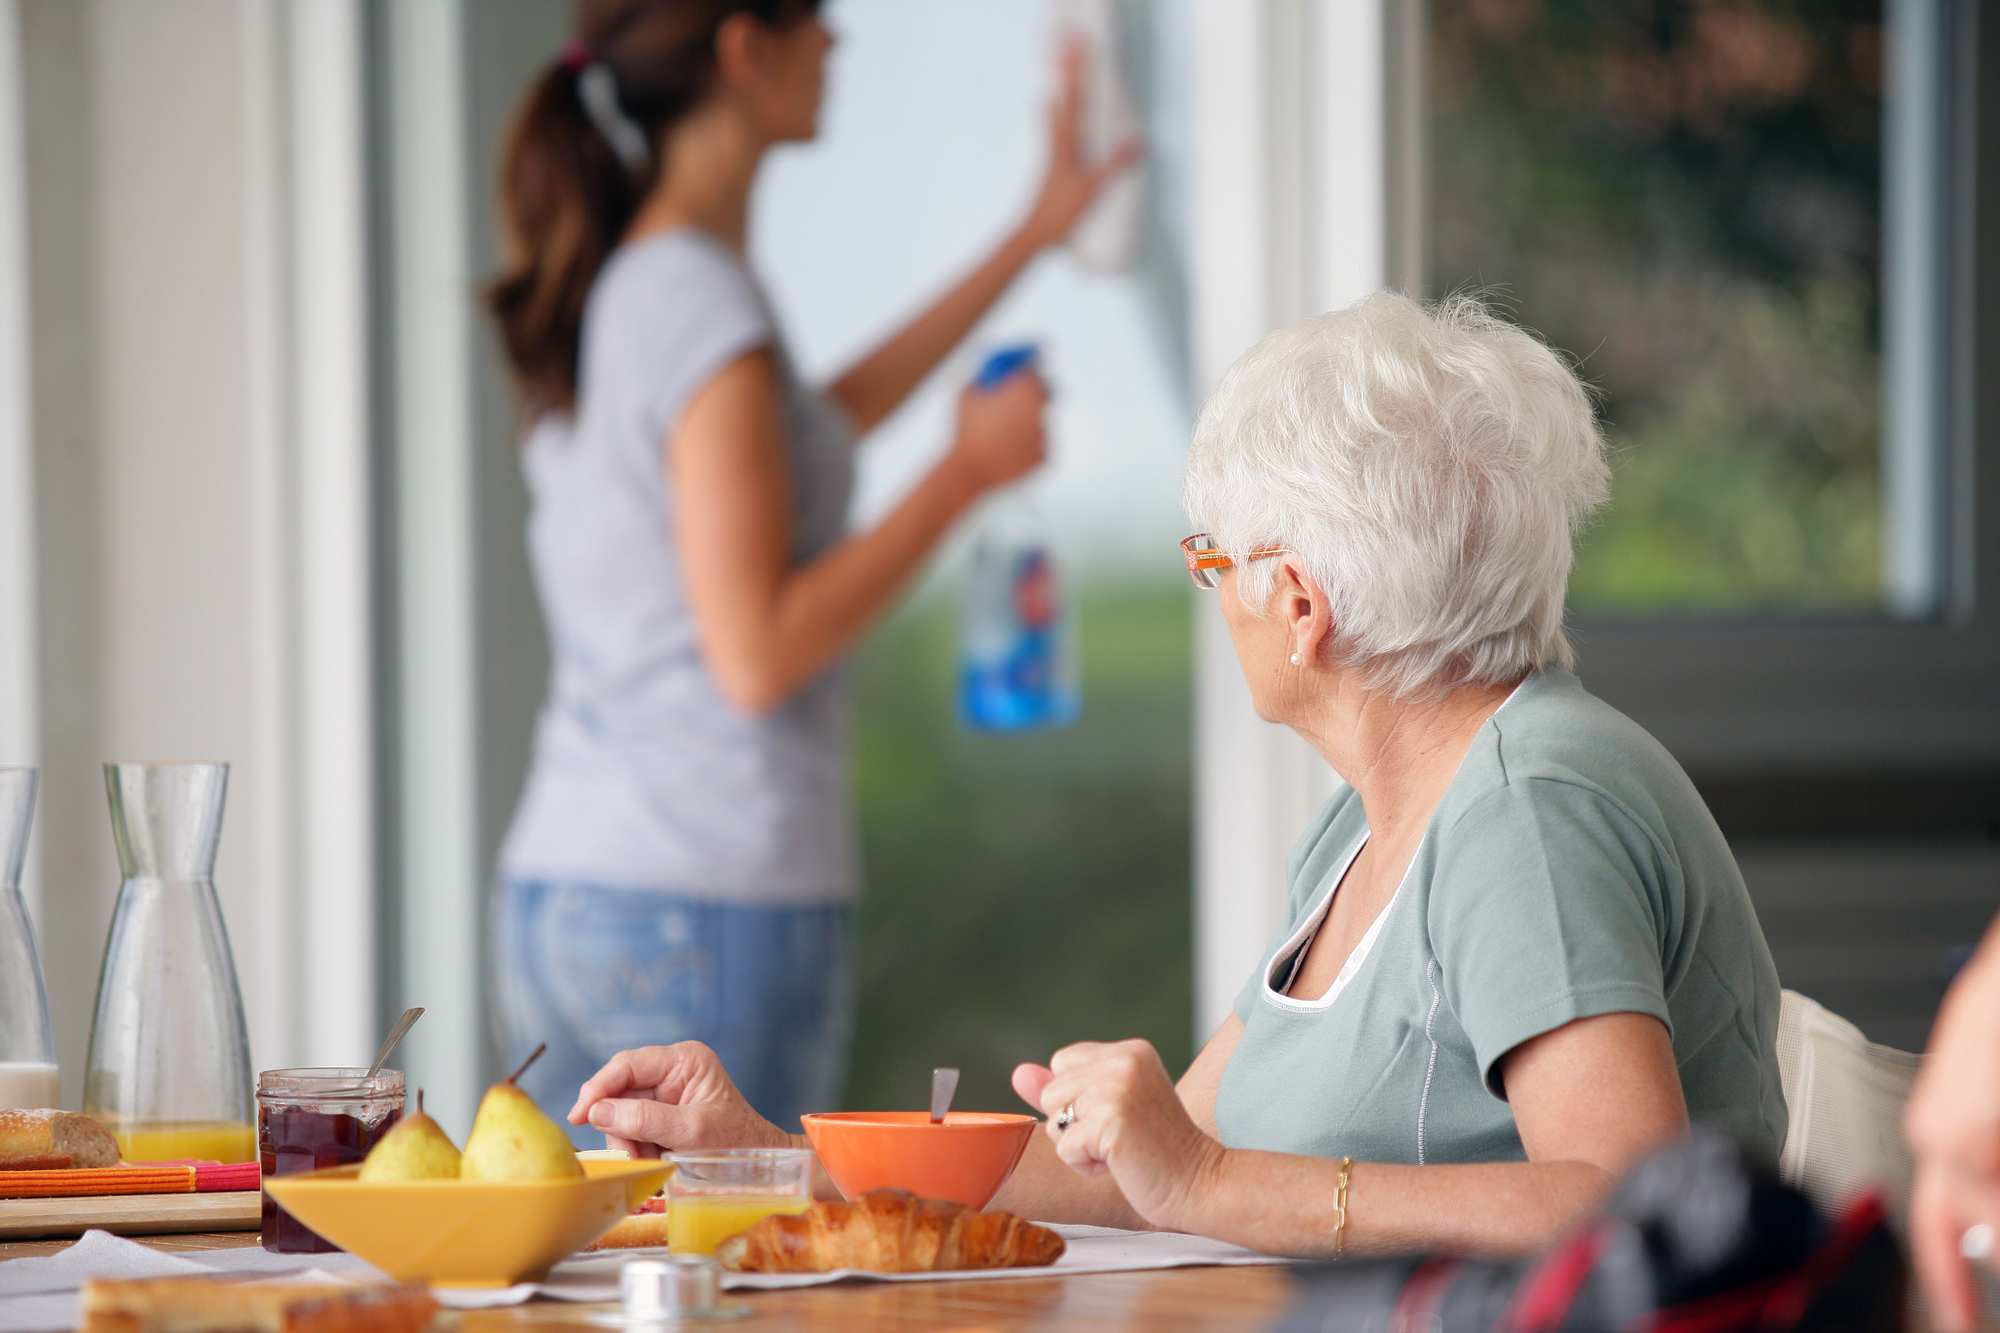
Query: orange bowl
[966,1159]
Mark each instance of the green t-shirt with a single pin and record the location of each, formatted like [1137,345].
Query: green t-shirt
[1570,870]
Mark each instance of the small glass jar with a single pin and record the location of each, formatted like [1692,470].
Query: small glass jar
[308,1119]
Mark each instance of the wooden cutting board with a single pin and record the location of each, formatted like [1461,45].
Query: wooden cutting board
[131,1214]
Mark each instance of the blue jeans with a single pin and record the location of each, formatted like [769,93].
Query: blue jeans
[594,971]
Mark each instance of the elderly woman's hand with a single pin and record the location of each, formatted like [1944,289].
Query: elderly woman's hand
[673,1097]
[1128,1121]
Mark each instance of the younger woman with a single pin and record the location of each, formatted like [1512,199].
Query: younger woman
[681,862]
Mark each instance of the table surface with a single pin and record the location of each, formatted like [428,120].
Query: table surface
[1170,1300]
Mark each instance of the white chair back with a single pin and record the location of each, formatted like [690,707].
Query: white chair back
[1845,1095]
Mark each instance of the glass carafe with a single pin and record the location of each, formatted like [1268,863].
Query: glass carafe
[169,1069]
[27,1039]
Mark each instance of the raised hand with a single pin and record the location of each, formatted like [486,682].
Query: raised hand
[673,1098]
[1071,184]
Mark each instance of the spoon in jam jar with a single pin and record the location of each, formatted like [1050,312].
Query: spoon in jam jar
[403,1025]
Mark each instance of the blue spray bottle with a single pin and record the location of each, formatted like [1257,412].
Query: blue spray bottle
[1017,658]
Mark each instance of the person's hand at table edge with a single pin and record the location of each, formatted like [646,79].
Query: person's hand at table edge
[674,1098]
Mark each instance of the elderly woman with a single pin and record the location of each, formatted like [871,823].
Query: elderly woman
[1518,953]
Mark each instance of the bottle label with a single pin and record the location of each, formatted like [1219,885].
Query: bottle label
[1014,673]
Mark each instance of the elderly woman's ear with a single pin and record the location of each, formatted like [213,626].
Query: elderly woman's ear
[1276,641]
[1303,608]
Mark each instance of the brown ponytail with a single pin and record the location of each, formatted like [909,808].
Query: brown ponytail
[566,197]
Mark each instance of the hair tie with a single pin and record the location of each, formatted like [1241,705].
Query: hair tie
[597,89]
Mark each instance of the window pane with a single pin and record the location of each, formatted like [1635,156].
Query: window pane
[1020,891]
[1687,198]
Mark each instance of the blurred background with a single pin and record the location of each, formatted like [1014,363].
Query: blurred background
[259,498]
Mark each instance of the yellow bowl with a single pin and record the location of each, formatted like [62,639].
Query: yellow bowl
[467,1233]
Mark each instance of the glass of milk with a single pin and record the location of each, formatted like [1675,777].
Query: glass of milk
[27,1039]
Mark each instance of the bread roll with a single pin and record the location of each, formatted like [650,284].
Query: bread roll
[889,1231]
[50,1140]
[634,1232]
[211,1305]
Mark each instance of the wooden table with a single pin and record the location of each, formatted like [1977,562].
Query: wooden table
[1173,1300]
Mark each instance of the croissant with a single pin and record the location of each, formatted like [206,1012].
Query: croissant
[889,1231]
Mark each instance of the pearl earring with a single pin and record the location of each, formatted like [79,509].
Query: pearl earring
[1295,659]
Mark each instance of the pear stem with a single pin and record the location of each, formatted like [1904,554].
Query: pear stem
[420,1101]
[525,1063]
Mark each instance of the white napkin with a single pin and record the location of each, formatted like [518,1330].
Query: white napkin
[587,1277]
[41,1293]
[1091,1250]
[594,1277]
[98,1254]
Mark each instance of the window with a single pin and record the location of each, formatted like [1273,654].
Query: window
[1020,891]
[1710,206]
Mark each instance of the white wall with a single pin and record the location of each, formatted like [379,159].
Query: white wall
[334,930]
[199,455]
[18,694]
[431,266]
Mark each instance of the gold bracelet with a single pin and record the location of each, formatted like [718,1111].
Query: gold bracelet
[1340,1205]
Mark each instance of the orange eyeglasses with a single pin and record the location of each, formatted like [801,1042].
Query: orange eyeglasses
[1205,561]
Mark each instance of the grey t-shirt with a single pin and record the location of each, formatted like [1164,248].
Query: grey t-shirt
[644,776]
[1570,870]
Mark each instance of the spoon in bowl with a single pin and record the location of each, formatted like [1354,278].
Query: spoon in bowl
[944,1085]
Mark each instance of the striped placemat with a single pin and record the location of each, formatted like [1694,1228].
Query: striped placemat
[143,1178]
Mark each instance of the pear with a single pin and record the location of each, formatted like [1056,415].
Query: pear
[512,1140]
[413,1149]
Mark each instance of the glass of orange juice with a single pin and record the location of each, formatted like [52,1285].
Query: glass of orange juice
[714,1195]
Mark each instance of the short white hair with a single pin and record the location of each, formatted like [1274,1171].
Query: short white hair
[1429,466]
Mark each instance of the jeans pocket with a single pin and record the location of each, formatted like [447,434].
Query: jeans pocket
[629,969]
